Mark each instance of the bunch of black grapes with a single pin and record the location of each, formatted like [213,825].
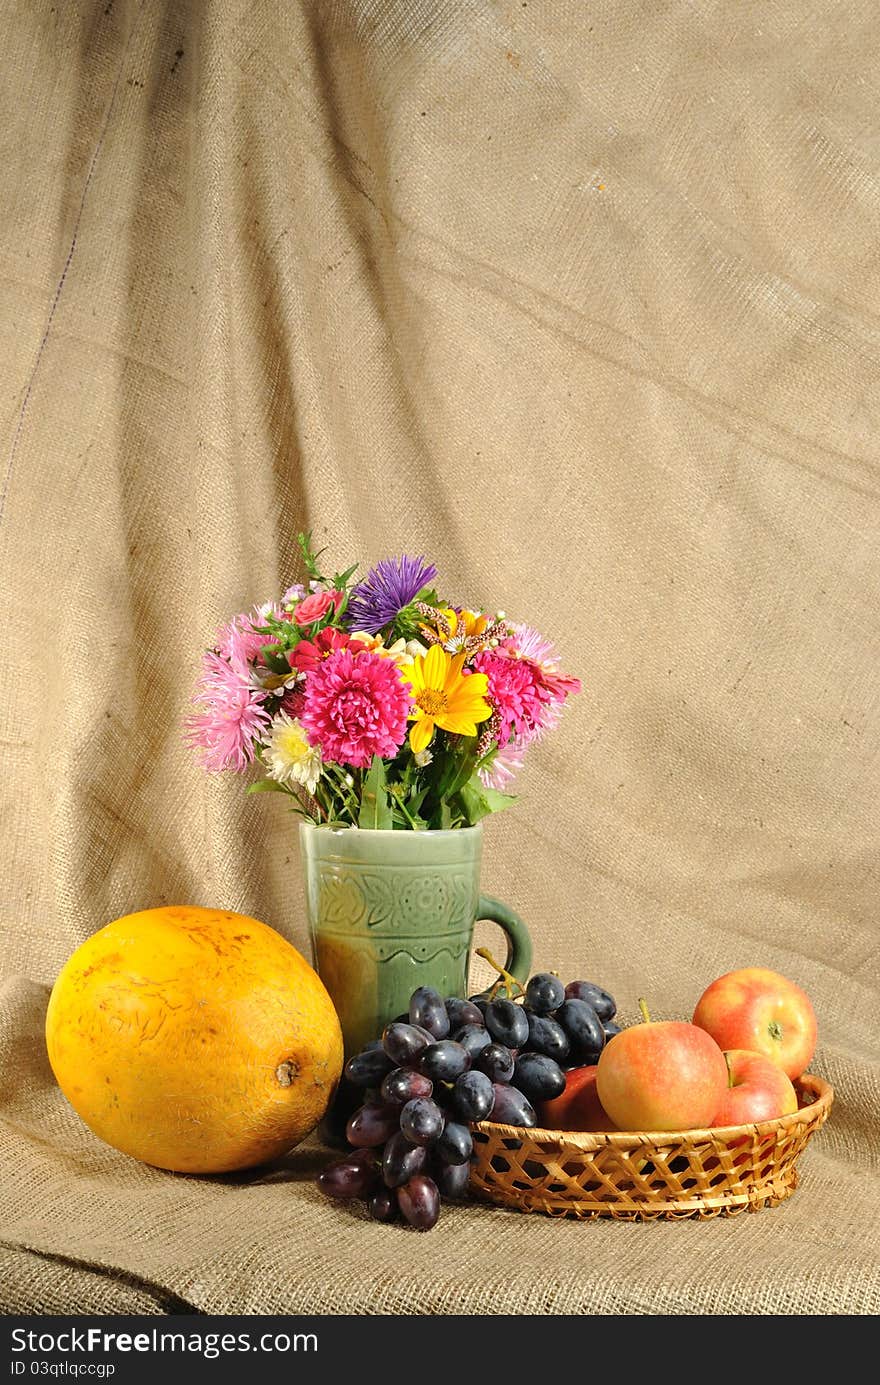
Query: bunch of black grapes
[447,1064]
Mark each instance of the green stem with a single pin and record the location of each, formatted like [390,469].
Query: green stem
[403,808]
[643,1006]
[344,790]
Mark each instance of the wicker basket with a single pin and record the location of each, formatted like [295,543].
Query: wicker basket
[693,1173]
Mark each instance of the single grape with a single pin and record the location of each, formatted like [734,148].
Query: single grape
[547,1036]
[544,992]
[421,1121]
[455,1145]
[481,1000]
[401,1085]
[496,1062]
[601,1001]
[584,1029]
[419,1201]
[445,1061]
[427,1010]
[507,1023]
[348,1178]
[383,1205]
[539,1077]
[472,1096]
[372,1125]
[400,1160]
[473,1037]
[453,1181]
[511,1107]
[462,1012]
[362,1155]
[367,1068]
[611,1029]
[404,1043]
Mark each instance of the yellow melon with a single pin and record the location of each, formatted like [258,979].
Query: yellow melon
[194,1039]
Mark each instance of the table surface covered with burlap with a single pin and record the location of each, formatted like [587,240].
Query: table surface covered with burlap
[582,302]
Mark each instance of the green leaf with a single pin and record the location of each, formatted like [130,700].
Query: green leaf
[310,557]
[445,815]
[341,579]
[459,768]
[275,658]
[267,786]
[375,809]
[478,801]
[415,801]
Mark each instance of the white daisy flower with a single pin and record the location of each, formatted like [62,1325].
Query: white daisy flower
[290,757]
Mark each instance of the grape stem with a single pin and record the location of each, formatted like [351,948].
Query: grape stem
[504,978]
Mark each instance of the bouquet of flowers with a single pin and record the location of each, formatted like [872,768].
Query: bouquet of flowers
[377,703]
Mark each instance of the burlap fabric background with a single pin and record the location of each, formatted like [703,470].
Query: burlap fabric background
[579,299]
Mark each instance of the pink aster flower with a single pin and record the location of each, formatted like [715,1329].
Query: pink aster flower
[355,707]
[229,717]
[238,641]
[523,702]
[528,643]
[503,769]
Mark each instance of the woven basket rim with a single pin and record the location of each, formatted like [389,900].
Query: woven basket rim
[820,1103]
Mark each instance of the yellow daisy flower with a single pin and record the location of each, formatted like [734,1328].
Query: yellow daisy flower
[443,696]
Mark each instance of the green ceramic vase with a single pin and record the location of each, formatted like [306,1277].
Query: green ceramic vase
[390,911]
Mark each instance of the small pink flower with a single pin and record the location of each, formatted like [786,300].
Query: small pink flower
[292,701]
[561,685]
[355,707]
[316,606]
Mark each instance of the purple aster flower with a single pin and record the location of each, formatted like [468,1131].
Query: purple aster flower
[387,588]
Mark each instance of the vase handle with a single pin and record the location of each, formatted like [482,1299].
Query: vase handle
[519,943]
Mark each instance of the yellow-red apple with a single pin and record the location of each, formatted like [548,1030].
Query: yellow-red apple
[578,1107]
[758,1090]
[759,1010]
[668,1075]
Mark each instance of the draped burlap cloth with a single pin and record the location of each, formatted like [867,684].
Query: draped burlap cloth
[583,302]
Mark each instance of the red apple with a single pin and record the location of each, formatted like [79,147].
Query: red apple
[578,1107]
[763,1012]
[758,1090]
[661,1076]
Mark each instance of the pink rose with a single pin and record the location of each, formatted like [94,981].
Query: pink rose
[316,606]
